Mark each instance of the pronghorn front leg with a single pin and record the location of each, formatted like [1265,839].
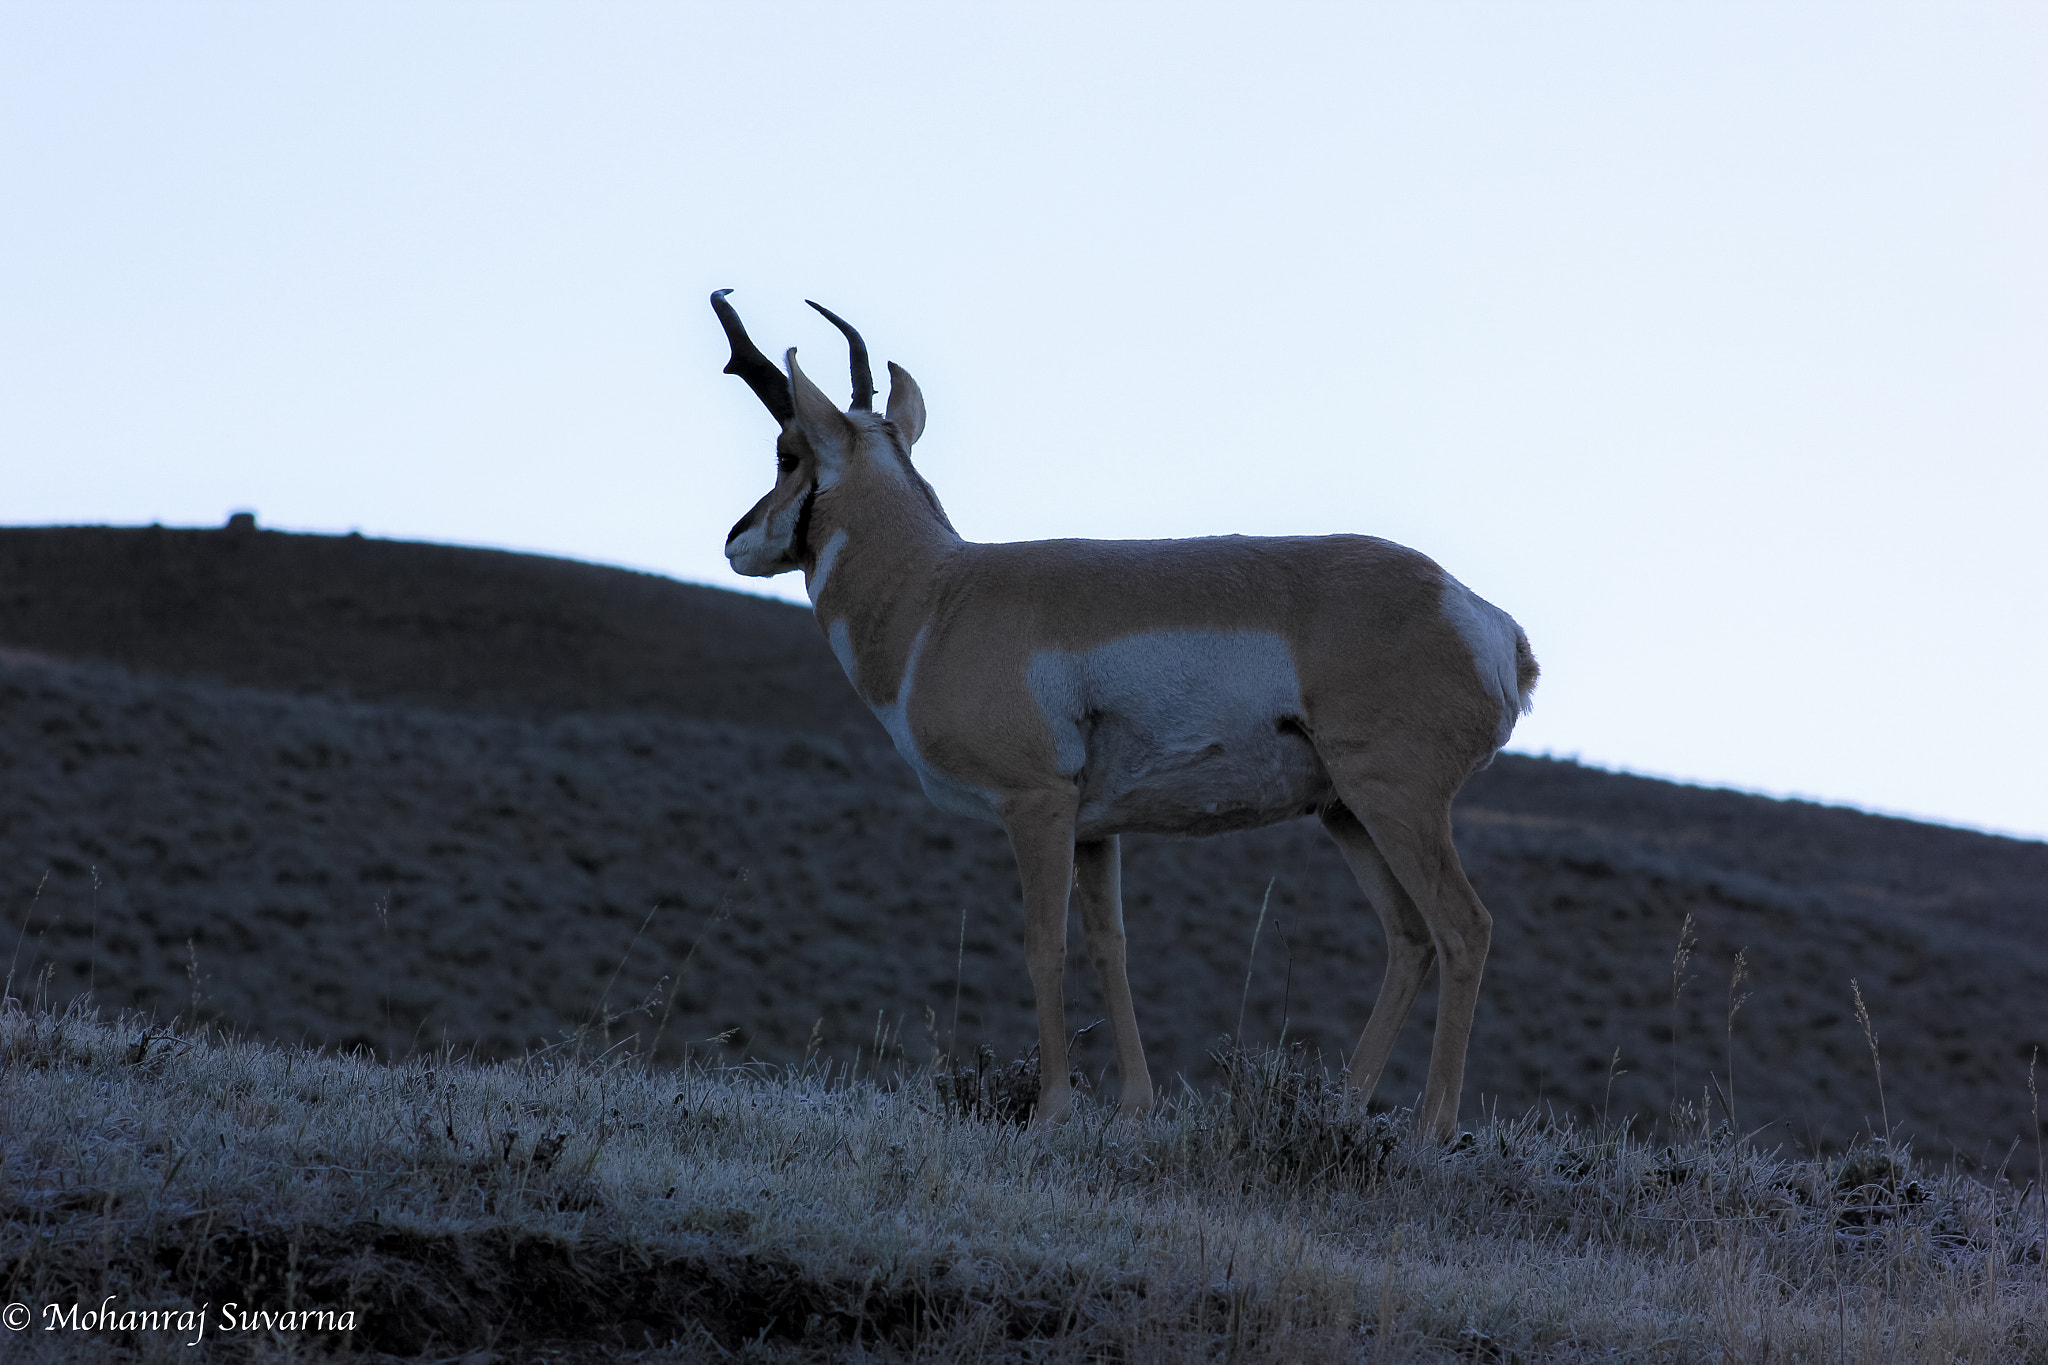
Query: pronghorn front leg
[1042,836]
[1098,879]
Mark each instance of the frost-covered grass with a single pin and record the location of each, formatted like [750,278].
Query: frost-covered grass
[587,1208]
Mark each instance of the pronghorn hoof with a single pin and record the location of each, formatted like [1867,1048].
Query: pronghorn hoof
[1045,1118]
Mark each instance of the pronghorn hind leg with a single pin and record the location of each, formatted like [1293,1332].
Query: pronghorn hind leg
[1098,880]
[1413,833]
[1042,837]
[1410,950]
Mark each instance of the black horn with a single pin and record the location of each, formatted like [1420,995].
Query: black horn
[863,377]
[769,384]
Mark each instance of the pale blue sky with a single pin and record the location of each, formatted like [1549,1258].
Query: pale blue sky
[1709,340]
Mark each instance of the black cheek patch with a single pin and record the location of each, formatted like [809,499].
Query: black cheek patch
[800,539]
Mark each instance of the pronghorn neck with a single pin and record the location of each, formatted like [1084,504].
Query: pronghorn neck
[879,547]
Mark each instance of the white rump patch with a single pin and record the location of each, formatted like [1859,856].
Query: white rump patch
[1490,634]
[1180,731]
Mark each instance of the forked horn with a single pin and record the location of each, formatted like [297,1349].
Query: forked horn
[769,384]
[863,377]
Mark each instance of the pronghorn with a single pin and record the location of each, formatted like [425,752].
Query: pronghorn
[1076,690]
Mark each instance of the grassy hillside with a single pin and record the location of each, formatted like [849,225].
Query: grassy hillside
[476,630]
[345,791]
[576,1207]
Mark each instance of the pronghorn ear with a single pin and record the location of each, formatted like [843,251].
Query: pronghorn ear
[906,404]
[824,426]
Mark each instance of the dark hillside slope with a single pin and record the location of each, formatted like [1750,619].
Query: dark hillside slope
[418,865]
[479,630]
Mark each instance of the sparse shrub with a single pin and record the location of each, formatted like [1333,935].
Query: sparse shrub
[1291,1122]
[989,1092]
[992,1092]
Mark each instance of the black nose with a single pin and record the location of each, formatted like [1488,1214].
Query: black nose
[738,527]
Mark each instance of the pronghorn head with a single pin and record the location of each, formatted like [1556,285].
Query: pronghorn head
[822,455]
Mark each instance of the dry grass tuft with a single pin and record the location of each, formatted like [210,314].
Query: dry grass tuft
[991,1091]
[587,1208]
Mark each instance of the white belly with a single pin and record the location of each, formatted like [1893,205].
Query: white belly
[1181,732]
